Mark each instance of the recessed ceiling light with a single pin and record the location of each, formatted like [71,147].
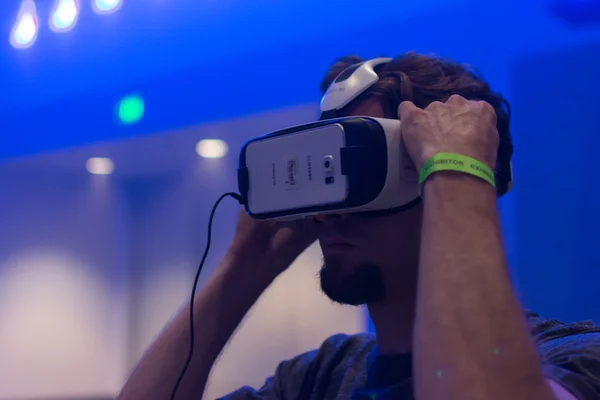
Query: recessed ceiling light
[211,148]
[100,166]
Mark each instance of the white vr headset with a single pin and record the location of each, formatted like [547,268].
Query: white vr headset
[336,165]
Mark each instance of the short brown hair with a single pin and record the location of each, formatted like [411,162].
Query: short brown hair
[424,79]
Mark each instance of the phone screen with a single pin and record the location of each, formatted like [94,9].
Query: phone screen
[296,170]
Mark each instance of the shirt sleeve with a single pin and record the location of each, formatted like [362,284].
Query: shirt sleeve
[297,378]
[289,377]
[267,392]
[574,363]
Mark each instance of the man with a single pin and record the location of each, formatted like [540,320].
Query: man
[434,277]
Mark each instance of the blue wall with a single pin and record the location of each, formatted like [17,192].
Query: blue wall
[203,60]
[557,215]
[197,61]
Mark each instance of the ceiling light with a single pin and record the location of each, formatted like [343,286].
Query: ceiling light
[64,15]
[211,148]
[25,30]
[100,166]
[106,6]
[130,109]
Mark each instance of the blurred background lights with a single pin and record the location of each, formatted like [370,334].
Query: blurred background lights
[211,148]
[64,15]
[130,109]
[100,166]
[25,29]
[106,6]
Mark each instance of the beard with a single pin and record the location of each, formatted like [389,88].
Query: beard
[352,285]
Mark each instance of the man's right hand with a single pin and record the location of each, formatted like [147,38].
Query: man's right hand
[271,246]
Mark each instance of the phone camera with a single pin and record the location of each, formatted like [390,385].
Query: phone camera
[329,180]
[328,163]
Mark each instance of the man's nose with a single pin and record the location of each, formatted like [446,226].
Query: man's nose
[330,219]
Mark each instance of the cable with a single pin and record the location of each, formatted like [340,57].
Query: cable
[208,239]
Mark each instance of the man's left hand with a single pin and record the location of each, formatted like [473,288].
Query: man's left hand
[457,126]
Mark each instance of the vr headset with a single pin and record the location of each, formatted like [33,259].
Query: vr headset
[336,165]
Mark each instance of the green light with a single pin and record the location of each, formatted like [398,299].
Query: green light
[130,109]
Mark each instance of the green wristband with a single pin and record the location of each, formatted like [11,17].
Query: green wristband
[456,162]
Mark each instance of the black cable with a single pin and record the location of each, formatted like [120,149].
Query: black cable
[208,239]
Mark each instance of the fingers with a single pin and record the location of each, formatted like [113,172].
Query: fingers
[406,109]
[480,106]
[456,99]
[486,109]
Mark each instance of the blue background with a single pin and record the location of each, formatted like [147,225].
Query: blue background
[199,61]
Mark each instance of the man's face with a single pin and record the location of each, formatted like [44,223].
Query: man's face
[366,258]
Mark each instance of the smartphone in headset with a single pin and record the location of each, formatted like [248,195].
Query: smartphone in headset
[294,170]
